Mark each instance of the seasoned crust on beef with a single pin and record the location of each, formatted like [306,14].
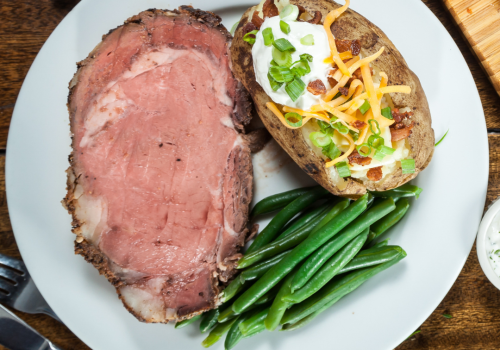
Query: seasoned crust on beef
[242,174]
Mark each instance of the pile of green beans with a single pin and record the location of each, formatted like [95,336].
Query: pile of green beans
[305,260]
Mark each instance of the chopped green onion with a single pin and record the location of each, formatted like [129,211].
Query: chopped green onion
[354,135]
[295,88]
[268,36]
[301,68]
[293,119]
[282,58]
[408,166]
[274,84]
[447,316]
[386,112]
[319,139]
[442,138]
[343,169]
[233,28]
[365,107]
[340,128]
[325,127]
[308,40]
[285,27]
[283,45]
[250,37]
[375,141]
[281,74]
[370,121]
[289,13]
[306,57]
[383,151]
[414,333]
[273,63]
[331,151]
[361,149]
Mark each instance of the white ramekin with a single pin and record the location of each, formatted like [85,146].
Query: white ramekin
[481,243]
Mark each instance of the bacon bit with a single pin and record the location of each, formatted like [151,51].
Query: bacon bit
[356,158]
[256,20]
[302,9]
[269,9]
[344,91]
[248,28]
[348,45]
[469,10]
[316,87]
[317,18]
[358,124]
[332,81]
[374,174]
[357,75]
[401,133]
[399,117]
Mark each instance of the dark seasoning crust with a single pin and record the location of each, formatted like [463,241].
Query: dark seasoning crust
[349,26]
[242,166]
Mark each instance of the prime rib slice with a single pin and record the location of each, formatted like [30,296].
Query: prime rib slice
[161,177]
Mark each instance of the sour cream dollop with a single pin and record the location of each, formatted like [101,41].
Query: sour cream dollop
[262,57]
[493,244]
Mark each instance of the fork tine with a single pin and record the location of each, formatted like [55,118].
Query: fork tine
[6,286]
[10,275]
[13,263]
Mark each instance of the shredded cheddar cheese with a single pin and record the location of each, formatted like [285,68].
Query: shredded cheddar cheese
[346,154]
[343,56]
[341,115]
[358,64]
[330,18]
[280,116]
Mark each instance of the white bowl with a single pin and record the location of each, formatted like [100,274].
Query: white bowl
[482,254]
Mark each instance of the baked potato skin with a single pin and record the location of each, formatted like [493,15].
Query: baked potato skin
[349,25]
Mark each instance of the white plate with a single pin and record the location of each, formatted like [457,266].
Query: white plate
[437,234]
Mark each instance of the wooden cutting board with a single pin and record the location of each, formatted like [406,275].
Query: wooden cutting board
[479,21]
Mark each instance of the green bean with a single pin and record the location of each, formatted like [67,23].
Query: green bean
[287,242]
[260,269]
[184,323]
[298,254]
[328,270]
[336,288]
[257,328]
[249,326]
[372,256]
[287,213]
[381,244]
[231,290]
[390,220]
[229,313]
[405,190]
[304,321]
[216,333]
[209,320]
[302,220]
[234,335]
[279,306]
[361,223]
[336,210]
[278,201]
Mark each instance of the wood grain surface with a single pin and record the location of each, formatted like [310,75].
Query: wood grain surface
[473,302]
[479,21]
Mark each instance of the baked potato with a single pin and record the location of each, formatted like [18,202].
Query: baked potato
[357,128]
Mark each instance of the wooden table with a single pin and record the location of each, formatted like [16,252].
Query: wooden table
[472,301]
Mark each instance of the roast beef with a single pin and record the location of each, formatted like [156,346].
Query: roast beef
[160,178]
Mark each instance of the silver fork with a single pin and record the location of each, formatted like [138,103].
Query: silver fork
[18,290]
